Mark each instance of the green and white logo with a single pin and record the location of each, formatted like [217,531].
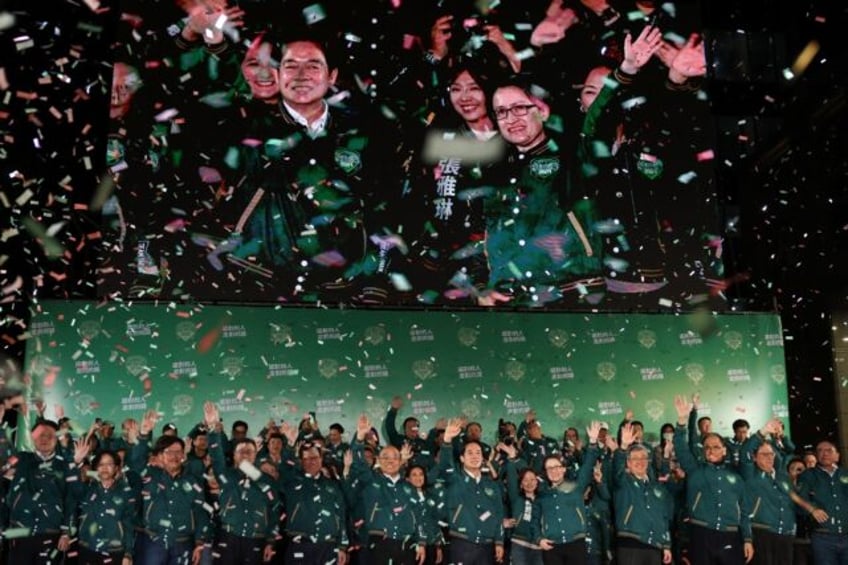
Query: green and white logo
[558,338]
[733,339]
[467,336]
[349,161]
[89,329]
[695,373]
[778,374]
[647,338]
[375,335]
[515,370]
[85,404]
[328,367]
[280,407]
[544,167]
[136,364]
[182,404]
[232,366]
[564,408]
[280,334]
[470,408]
[606,371]
[424,369]
[655,409]
[185,331]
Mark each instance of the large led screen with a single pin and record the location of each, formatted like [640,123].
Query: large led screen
[500,154]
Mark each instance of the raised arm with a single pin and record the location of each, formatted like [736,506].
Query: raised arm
[216,447]
[681,446]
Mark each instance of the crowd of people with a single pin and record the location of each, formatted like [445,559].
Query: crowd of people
[300,494]
[547,153]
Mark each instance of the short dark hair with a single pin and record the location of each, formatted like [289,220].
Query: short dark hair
[114,455]
[338,427]
[741,423]
[164,442]
[239,423]
[704,419]
[325,44]
[45,422]
[411,419]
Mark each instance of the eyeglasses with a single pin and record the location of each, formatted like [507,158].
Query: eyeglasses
[517,111]
[172,452]
[554,467]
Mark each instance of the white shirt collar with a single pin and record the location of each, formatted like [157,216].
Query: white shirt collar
[317,127]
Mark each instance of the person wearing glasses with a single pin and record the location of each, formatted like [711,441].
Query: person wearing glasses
[540,237]
[393,511]
[562,532]
[826,487]
[175,518]
[771,499]
[719,529]
[107,514]
[643,507]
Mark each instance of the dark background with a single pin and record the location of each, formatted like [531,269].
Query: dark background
[781,170]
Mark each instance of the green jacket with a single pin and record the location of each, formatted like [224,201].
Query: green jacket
[41,494]
[830,493]
[248,508]
[563,512]
[107,517]
[767,500]
[714,493]
[526,512]
[315,505]
[173,508]
[473,509]
[392,508]
[423,451]
[643,509]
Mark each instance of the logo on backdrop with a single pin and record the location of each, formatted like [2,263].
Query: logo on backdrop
[375,335]
[778,374]
[182,404]
[655,409]
[328,367]
[89,329]
[280,334]
[186,331]
[467,336]
[232,366]
[423,369]
[85,404]
[564,408]
[281,407]
[515,370]
[695,373]
[558,338]
[470,408]
[375,408]
[647,338]
[136,365]
[733,339]
[606,371]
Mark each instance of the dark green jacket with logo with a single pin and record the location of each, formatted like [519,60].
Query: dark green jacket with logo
[248,507]
[315,506]
[714,493]
[173,508]
[392,509]
[563,511]
[643,508]
[473,509]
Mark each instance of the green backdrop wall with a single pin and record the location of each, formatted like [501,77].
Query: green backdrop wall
[116,360]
